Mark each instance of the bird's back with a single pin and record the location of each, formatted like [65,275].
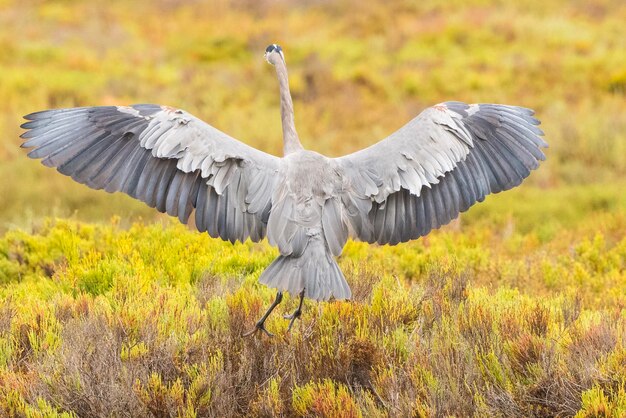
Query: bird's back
[306,181]
[306,225]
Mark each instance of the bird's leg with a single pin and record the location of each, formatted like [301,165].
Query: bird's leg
[260,325]
[296,314]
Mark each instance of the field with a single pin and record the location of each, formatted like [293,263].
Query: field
[518,309]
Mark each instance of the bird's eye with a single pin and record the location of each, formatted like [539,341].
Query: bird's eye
[269,49]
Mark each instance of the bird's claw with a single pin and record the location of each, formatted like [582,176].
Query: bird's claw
[295,315]
[260,326]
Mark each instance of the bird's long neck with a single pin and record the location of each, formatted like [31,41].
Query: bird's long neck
[291,142]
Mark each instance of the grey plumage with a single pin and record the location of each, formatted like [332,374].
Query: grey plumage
[419,178]
[442,162]
[162,156]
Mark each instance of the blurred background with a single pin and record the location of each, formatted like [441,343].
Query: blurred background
[359,71]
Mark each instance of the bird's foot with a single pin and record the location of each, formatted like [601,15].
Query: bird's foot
[260,326]
[295,315]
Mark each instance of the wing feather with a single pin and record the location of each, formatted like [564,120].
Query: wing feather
[442,162]
[163,156]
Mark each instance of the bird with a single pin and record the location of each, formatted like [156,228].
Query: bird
[446,159]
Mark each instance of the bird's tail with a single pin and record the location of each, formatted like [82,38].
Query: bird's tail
[315,271]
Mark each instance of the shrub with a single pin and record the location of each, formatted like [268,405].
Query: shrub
[163,337]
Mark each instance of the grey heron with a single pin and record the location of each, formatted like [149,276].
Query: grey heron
[418,178]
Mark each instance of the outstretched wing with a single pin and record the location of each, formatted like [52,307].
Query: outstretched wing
[163,156]
[442,162]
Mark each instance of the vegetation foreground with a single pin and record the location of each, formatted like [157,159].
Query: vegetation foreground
[101,320]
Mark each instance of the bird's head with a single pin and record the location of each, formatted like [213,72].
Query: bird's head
[274,52]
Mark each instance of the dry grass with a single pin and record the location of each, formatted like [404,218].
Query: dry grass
[164,337]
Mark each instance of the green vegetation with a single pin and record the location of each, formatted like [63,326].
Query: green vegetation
[518,309]
[99,320]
